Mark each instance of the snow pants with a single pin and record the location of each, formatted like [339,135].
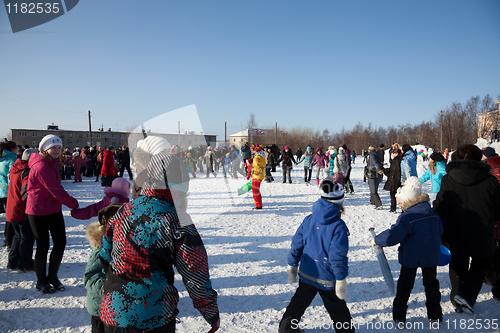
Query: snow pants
[42,225]
[305,293]
[21,250]
[257,197]
[405,285]
[470,278]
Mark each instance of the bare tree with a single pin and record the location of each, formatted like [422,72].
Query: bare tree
[251,123]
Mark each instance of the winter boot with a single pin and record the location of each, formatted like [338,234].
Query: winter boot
[42,283]
[55,262]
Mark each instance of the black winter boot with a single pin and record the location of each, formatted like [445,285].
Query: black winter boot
[41,283]
[55,262]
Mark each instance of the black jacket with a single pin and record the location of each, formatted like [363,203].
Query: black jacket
[393,174]
[287,159]
[468,202]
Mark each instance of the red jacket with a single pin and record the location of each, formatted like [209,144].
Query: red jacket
[15,203]
[108,164]
[45,192]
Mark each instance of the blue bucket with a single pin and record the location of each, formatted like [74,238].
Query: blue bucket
[445,256]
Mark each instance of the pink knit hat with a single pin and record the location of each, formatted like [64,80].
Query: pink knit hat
[120,186]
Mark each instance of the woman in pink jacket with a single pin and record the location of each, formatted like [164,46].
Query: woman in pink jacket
[44,209]
[321,161]
[118,192]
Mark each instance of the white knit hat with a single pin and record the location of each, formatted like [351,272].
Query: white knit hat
[27,154]
[411,189]
[48,141]
[75,154]
[153,144]
[332,191]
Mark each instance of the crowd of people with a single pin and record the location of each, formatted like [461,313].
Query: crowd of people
[124,275]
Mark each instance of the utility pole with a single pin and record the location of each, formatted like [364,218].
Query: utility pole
[179,133]
[225,134]
[90,131]
[276,133]
[441,121]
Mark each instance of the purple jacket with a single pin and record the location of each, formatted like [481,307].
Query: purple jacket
[112,195]
[320,160]
[45,192]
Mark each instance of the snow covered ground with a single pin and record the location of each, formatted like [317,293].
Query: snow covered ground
[247,252]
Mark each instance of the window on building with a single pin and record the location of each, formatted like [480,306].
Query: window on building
[34,144]
[34,133]
[106,139]
[98,135]
[70,135]
[23,133]
[79,135]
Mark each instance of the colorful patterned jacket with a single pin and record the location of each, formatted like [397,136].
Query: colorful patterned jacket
[143,243]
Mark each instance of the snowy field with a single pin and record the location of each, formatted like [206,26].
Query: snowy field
[247,252]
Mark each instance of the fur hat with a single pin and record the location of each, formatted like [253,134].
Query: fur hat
[410,190]
[49,141]
[75,154]
[489,152]
[333,192]
[27,154]
[437,157]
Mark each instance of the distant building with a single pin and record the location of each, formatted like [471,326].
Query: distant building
[73,139]
[489,121]
[263,137]
[70,138]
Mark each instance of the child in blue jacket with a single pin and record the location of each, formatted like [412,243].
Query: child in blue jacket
[320,245]
[418,230]
[435,173]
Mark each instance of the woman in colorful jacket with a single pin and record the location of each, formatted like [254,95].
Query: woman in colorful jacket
[142,244]
[435,173]
[408,163]
[307,158]
[8,155]
[44,209]
[320,160]
[258,174]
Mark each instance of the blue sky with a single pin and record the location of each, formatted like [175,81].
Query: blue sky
[316,64]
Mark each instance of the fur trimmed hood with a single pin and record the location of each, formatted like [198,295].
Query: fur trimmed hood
[424,197]
[94,236]
[468,172]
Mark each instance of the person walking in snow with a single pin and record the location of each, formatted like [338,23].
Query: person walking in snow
[307,158]
[190,163]
[209,160]
[21,250]
[119,191]
[393,174]
[435,173]
[44,209]
[320,160]
[373,168]
[319,255]
[287,165]
[341,165]
[418,229]
[76,163]
[258,174]
[468,203]
[108,171]
[408,163]
[142,244]
[270,162]
[8,156]
[350,157]
[226,165]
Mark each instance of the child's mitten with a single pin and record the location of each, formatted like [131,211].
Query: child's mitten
[292,274]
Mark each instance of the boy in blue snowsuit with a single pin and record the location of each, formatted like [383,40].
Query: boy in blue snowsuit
[418,229]
[320,245]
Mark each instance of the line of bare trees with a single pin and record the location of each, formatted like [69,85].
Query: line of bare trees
[458,122]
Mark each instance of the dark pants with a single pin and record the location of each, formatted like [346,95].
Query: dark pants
[98,171]
[405,285]
[269,176]
[42,225]
[168,328]
[21,251]
[470,277]
[122,169]
[287,172]
[307,174]
[337,308]
[374,197]
[9,230]
[392,194]
[347,181]
[97,324]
